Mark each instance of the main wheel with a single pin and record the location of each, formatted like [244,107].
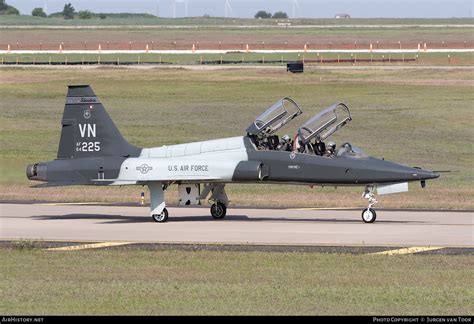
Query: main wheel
[369,215]
[218,210]
[161,218]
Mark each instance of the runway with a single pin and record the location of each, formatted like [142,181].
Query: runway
[95,223]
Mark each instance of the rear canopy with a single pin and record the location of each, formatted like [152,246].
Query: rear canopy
[275,117]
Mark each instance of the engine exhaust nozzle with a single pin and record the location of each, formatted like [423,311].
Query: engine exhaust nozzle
[36,171]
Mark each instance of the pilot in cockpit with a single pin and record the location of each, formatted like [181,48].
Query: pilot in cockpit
[285,144]
[331,149]
[319,147]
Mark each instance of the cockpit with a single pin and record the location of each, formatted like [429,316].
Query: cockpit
[262,130]
[313,133]
[310,138]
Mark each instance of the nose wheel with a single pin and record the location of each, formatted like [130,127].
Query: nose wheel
[369,215]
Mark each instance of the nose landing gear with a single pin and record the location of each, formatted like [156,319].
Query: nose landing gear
[369,215]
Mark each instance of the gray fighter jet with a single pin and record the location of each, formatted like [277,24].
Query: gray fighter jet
[93,152]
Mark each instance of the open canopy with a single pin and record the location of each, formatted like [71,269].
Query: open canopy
[275,117]
[325,123]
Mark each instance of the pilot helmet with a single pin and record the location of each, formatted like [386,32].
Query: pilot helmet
[331,145]
[285,138]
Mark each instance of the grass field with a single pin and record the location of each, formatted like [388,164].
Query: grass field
[414,117]
[245,58]
[232,283]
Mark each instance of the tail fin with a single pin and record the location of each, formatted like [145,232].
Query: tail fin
[87,129]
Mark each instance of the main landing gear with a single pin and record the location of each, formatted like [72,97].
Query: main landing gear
[161,217]
[218,210]
[369,215]
[219,199]
[158,210]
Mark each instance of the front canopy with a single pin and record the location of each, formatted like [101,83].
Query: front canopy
[324,124]
[275,117]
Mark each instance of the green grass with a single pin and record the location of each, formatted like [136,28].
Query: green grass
[414,117]
[243,58]
[232,283]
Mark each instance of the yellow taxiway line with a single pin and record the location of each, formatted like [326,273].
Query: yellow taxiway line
[88,246]
[409,250]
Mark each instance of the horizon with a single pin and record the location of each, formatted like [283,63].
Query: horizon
[248,8]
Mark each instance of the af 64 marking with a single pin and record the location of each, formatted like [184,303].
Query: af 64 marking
[87,146]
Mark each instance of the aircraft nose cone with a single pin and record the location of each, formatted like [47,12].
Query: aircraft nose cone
[426,175]
[393,172]
[432,175]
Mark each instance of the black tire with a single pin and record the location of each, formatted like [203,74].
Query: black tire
[369,215]
[218,210]
[161,218]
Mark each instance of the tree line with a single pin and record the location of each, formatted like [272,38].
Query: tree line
[7,9]
[68,13]
[262,14]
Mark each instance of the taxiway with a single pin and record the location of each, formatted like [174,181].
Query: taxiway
[241,226]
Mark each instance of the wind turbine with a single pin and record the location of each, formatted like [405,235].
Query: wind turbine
[185,7]
[295,6]
[227,9]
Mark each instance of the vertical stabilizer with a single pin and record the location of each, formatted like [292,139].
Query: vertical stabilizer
[88,130]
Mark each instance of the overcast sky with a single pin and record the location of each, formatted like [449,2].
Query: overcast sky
[248,8]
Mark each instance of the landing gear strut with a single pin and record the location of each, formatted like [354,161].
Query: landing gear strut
[157,202]
[369,215]
[219,199]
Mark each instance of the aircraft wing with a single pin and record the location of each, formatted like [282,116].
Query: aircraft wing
[124,182]
[56,184]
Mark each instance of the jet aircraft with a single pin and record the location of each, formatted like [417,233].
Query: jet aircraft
[92,151]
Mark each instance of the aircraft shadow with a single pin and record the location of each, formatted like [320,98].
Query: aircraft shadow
[106,218]
[120,219]
[244,218]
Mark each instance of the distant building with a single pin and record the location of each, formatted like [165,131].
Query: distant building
[342,16]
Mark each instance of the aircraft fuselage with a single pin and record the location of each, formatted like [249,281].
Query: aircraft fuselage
[226,160]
